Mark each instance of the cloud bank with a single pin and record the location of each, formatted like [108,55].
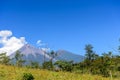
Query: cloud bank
[9,43]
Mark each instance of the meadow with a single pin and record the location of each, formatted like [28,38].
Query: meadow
[15,73]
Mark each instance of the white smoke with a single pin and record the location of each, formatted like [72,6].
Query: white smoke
[42,46]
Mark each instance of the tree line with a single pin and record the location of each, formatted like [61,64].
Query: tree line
[106,64]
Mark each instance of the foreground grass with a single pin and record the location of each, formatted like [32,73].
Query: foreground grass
[15,73]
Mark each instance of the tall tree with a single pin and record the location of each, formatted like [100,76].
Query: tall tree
[53,55]
[49,64]
[90,54]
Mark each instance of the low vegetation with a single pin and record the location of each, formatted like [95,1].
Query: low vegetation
[16,73]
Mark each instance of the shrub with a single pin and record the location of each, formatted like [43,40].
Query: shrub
[118,68]
[27,76]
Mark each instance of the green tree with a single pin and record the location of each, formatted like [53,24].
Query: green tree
[89,52]
[64,65]
[4,59]
[90,55]
[52,55]
[106,64]
[103,65]
[47,65]
[34,64]
[19,59]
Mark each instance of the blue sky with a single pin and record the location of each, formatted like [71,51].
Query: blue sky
[64,24]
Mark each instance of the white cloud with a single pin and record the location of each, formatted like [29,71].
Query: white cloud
[10,43]
[5,33]
[39,43]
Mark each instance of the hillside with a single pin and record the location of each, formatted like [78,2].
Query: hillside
[15,73]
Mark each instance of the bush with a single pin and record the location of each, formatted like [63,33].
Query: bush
[65,65]
[27,76]
[118,68]
[47,65]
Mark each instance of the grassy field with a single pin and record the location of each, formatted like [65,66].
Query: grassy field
[15,73]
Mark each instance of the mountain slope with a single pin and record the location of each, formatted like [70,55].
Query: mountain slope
[33,54]
[66,55]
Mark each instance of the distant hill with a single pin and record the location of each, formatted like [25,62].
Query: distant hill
[32,53]
[66,55]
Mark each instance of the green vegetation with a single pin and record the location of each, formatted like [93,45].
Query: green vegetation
[4,59]
[18,58]
[16,73]
[94,67]
[34,65]
[27,76]
[106,65]
[65,65]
